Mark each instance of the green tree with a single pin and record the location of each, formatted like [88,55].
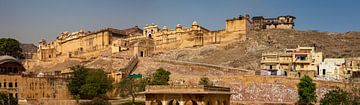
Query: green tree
[131,86]
[160,77]
[306,91]
[78,76]
[9,46]
[96,84]
[89,83]
[336,97]
[205,81]
[6,99]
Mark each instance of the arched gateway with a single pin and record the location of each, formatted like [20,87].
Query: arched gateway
[186,95]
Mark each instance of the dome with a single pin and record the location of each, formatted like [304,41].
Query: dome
[6,58]
[164,28]
[194,23]
[10,65]
[178,25]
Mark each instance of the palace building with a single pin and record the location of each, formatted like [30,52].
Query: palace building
[281,22]
[85,43]
[196,35]
[15,81]
[76,44]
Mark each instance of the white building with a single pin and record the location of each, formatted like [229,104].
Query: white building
[331,68]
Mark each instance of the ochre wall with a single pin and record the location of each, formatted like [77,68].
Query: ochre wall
[35,88]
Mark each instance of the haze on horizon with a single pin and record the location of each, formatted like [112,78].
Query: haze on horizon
[29,21]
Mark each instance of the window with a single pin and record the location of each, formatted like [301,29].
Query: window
[15,70]
[15,84]
[4,84]
[302,66]
[302,58]
[0,84]
[8,69]
[10,84]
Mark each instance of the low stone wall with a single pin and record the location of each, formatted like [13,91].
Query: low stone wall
[218,67]
[249,89]
[148,65]
[47,102]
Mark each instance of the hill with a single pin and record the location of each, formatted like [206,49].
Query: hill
[246,54]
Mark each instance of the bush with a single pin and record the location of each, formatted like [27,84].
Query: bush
[97,101]
[160,77]
[335,97]
[6,99]
[135,103]
[205,81]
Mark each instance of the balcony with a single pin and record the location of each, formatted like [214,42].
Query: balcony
[285,61]
[270,67]
[270,54]
[302,61]
[302,69]
[270,61]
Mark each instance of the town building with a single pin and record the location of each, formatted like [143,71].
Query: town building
[332,69]
[281,22]
[352,66]
[293,62]
[186,95]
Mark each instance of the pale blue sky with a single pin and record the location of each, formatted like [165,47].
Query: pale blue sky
[30,20]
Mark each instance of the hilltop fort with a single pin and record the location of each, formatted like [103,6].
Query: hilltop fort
[152,38]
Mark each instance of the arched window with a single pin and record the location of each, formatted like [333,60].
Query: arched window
[173,102]
[141,53]
[156,102]
[225,102]
[191,102]
[208,103]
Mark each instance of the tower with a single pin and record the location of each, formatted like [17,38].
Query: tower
[150,30]
[195,25]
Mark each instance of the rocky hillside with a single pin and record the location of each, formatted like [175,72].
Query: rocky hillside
[247,54]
